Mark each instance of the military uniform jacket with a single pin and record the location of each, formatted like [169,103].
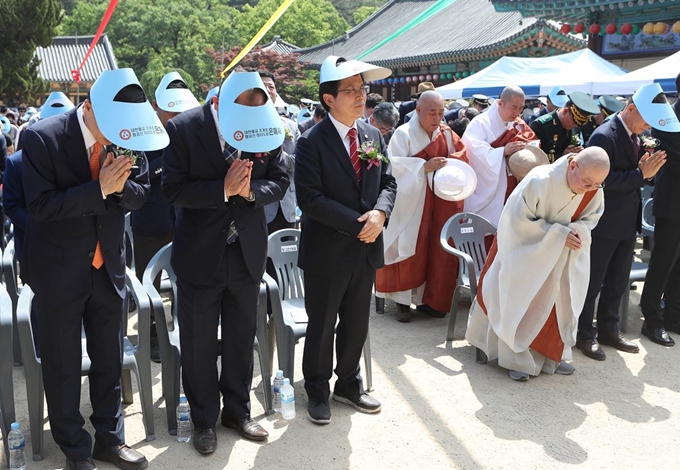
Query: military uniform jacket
[554,138]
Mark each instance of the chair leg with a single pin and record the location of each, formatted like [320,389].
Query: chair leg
[265,371]
[369,366]
[453,313]
[271,335]
[481,356]
[286,353]
[172,396]
[35,394]
[126,387]
[379,305]
[143,372]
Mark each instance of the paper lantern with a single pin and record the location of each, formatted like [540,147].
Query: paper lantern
[449,76]
[636,30]
[565,29]
[435,76]
[661,28]
[402,80]
[676,27]
[648,28]
[579,28]
[428,77]
[457,74]
[408,79]
[626,28]
[594,29]
[611,28]
[421,78]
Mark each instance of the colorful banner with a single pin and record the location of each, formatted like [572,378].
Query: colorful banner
[428,13]
[270,22]
[102,26]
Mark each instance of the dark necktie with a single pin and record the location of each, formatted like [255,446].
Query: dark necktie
[354,152]
[636,144]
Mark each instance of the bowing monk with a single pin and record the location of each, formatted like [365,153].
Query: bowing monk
[534,283]
[489,140]
[413,256]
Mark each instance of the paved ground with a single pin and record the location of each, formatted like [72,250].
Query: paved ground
[441,410]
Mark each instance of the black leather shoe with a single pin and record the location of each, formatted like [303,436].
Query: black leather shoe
[319,412]
[616,340]
[81,465]
[364,402]
[247,427]
[591,348]
[205,440]
[430,311]
[121,456]
[657,335]
[672,326]
[403,313]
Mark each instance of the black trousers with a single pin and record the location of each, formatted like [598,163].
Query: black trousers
[663,276]
[145,249]
[327,298]
[232,298]
[610,262]
[99,309]
[279,223]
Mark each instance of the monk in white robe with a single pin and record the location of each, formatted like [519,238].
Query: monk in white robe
[414,258]
[489,139]
[534,283]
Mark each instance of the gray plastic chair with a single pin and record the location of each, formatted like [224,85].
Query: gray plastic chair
[168,339]
[638,272]
[130,241]
[136,358]
[7,411]
[287,298]
[648,222]
[9,269]
[468,231]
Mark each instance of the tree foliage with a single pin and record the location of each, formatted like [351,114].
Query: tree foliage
[33,24]
[364,12]
[348,8]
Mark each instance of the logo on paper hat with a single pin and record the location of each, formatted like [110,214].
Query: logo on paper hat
[213,92]
[558,96]
[123,113]
[248,128]
[336,68]
[4,124]
[174,95]
[455,182]
[654,108]
[56,103]
[523,161]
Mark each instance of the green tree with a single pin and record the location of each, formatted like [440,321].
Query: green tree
[347,8]
[364,12]
[34,23]
[306,22]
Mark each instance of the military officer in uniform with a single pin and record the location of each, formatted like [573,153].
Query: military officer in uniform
[555,130]
[480,102]
[609,106]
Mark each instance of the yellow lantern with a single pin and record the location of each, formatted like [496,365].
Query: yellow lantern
[676,27]
[648,28]
[660,28]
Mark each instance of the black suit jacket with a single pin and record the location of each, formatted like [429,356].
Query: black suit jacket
[331,200]
[156,218]
[14,201]
[667,180]
[68,214]
[193,180]
[622,209]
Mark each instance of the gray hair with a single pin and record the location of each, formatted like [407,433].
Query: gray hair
[386,114]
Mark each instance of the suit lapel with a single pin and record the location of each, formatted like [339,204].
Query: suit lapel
[208,137]
[74,149]
[337,146]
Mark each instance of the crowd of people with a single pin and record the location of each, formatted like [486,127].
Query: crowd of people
[375,183]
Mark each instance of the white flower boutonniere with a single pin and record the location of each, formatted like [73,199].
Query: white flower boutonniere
[287,132]
[369,152]
[648,142]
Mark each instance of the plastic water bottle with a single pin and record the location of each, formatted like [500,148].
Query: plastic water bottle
[17,448]
[278,383]
[183,420]
[287,400]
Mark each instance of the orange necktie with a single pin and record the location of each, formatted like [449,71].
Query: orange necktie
[98,260]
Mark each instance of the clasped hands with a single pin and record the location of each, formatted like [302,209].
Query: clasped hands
[237,179]
[114,173]
[374,223]
[649,165]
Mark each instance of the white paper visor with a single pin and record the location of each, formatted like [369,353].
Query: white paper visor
[174,100]
[654,108]
[56,103]
[131,125]
[558,97]
[332,71]
[248,128]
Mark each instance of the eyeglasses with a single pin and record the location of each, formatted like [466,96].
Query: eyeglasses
[356,91]
[589,185]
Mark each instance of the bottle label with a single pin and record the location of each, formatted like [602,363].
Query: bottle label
[288,398]
[18,445]
[183,418]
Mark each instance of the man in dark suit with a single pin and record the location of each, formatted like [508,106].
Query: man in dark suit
[663,273]
[611,251]
[74,254]
[220,244]
[345,206]
[319,115]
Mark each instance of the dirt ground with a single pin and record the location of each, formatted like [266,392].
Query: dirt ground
[442,410]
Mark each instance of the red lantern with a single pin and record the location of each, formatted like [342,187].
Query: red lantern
[594,29]
[611,28]
[626,28]
[565,28]
[579,28]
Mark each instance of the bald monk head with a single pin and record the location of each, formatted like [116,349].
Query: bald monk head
[587,170]
[430,109]
[511,103]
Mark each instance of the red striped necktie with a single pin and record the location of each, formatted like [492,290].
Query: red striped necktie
[354,152]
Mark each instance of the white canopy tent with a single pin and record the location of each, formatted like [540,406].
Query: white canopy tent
[575,71]
[663,72]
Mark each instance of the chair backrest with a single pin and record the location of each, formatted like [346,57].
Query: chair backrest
[648,219]
[9,268]
[129,242]
[283,248]
[468,232]
[159,263]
